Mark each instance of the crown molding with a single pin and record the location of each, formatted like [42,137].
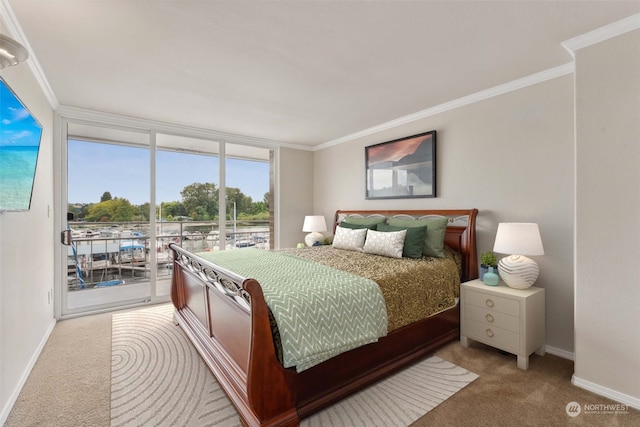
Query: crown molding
[75,113]
[16,31]
[601,34]
[511,86]
[598,35]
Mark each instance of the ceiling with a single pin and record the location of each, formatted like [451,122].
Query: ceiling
[298,72]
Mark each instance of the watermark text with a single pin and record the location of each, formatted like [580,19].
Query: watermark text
[574,409]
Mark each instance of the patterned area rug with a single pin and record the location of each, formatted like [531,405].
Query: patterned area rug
[158,379]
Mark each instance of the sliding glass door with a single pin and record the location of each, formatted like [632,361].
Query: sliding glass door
[107,229]
[129,194]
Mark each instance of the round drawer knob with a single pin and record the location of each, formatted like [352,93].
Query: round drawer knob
[489,317]
[489,302]
[489,332]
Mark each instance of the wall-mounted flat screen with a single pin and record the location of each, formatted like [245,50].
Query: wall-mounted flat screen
[20,136]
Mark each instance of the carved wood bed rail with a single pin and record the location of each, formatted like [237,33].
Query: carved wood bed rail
[227,319]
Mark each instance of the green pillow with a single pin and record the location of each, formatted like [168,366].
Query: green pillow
[357,226]
[365,221]
[436,229]
[413,241]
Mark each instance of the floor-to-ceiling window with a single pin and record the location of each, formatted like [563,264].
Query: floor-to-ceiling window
[130,193]
[187,182]
[248,196]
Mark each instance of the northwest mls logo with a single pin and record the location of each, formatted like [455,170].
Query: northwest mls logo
[573,409]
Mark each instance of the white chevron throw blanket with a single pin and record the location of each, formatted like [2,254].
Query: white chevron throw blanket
[320,311]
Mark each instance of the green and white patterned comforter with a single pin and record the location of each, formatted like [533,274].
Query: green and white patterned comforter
[320,311]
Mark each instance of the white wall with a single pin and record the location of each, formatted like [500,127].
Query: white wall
[607,298]
[511,157]
[26,255]
[296,194]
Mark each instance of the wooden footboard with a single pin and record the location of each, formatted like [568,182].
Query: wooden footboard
[227,319]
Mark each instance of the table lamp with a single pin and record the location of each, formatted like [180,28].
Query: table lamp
[314,224]
[519,239]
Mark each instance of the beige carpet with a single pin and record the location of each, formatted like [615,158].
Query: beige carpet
[70,385]
[157,378]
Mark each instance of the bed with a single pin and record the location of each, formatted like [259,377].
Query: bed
[227,319]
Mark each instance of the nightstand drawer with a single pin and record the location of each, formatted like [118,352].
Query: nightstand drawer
[502,317]
[492,318]
[493,336]
[496,303]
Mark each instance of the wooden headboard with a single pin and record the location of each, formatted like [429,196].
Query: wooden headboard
[460,235]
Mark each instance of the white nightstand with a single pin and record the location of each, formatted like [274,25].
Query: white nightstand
[505,318]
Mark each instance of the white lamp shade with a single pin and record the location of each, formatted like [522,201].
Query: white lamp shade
[518,239]
[314,223]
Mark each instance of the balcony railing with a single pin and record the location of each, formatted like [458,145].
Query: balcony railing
[110,254]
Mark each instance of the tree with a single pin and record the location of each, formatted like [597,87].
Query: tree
[258,207]
[116,210]
[122,210]
[141,212]
[200,200]
[242,201]
[84,212]
[173,209]
[266,199]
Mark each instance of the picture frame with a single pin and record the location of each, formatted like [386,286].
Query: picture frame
[404,168]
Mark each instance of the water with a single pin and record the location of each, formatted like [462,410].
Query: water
[17,173]
[101,258]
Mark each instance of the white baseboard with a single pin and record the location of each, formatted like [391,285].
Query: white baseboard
[560,352]
[592,387]
[625,399]
[25,375]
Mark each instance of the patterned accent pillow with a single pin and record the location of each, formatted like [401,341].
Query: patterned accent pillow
[349,239]
[388,243]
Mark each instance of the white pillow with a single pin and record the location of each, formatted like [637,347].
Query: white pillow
[349,239]
[389,243]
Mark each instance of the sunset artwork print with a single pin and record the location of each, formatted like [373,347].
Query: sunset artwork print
[402,168]
[19,146]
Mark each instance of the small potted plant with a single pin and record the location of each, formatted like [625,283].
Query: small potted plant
[488,259]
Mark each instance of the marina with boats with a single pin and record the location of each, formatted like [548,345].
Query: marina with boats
[113,254]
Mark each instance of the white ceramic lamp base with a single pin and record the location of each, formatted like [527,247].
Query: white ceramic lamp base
[518,271]
[313,237]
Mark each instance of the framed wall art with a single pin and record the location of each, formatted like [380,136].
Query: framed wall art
[403,168]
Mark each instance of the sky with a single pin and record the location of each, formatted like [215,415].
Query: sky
[17,126]
[123,171]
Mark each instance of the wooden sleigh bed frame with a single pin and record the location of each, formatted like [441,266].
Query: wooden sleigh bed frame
[226,318]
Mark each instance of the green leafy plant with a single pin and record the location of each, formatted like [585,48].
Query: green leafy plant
[489,259]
